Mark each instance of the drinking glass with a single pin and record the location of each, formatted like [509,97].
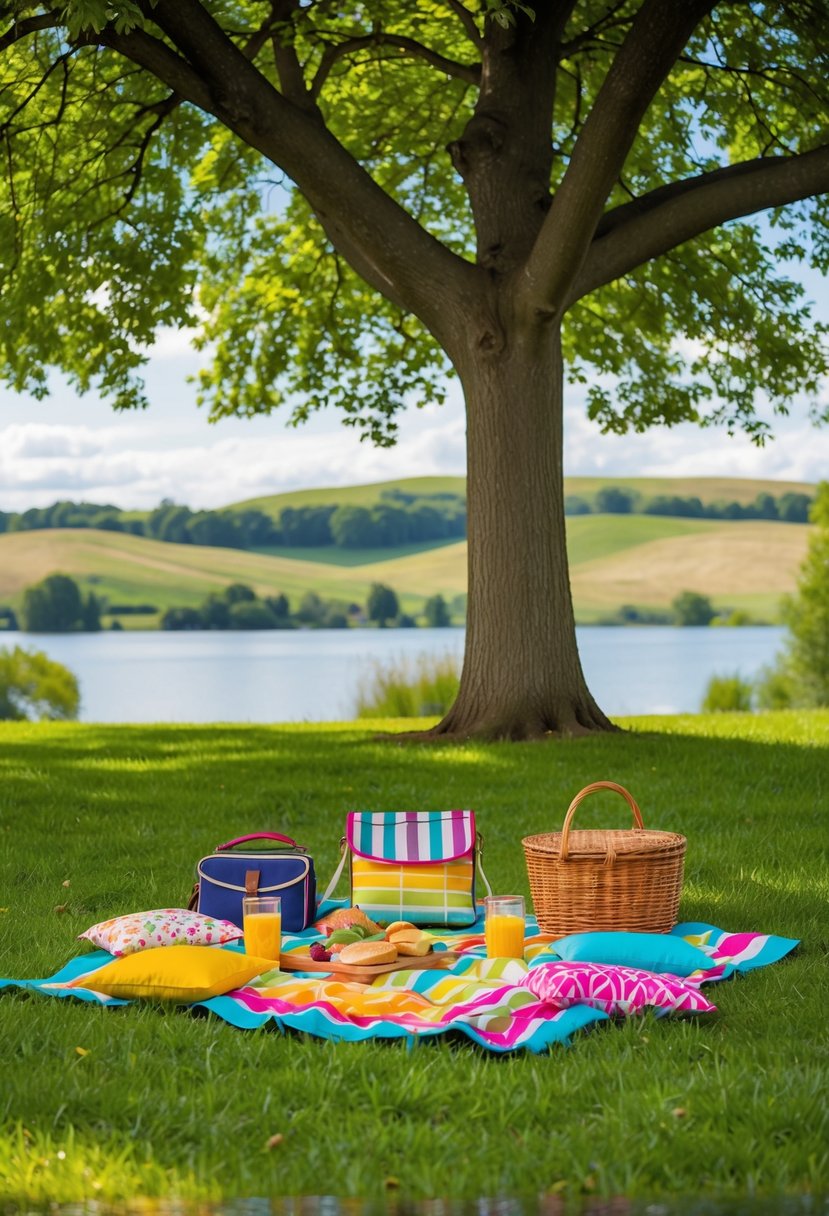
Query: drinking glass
[504,926]
[262,922]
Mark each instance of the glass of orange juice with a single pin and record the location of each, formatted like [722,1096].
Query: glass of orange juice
[504,926]
[262,917]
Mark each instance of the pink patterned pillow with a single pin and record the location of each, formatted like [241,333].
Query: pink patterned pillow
[161,927]
[615,990]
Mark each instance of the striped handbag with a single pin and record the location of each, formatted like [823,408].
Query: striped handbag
[418,866]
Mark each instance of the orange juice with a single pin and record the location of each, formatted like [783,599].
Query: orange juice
[263,934]
[504,936]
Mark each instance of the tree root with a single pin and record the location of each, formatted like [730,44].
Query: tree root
[579,724]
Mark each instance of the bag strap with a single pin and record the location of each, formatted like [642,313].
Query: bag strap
[479,854]
[231,844]
[332,886]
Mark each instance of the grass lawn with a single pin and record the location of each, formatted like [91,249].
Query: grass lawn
[332,555]
[112,1104]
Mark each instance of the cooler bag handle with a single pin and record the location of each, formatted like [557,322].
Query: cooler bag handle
[332,886]
[231,844]
[479,861]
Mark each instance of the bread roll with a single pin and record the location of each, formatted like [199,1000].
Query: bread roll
[396,926]
[415,949]
[368,954]
[344,918]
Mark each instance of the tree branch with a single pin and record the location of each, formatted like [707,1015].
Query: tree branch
[289,69]
[379,238]
[470,72]
[609,20]
[30,25]
[467,21]
[158,59]
[650,226]
[658,33]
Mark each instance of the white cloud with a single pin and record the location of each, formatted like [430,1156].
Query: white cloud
[135,460]
[131,467]
[174,344]
[798,451]
[28,442]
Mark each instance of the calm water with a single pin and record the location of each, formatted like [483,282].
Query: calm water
[315,675]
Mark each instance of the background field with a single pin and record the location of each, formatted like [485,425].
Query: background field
[615,559]
[639,560]
[98,821]
[707,489]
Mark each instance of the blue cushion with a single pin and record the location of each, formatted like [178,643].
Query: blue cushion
[657,952]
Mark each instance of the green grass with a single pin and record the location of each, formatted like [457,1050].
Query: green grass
[166,1104]
[410,688]
[591,537]
[132,569]
[326,555]
[353,496]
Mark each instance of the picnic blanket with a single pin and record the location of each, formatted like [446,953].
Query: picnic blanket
[484,999]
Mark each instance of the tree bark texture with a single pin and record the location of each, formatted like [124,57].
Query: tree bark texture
[522,676]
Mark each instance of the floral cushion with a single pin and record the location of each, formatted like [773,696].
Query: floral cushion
[618,991]
[161,927]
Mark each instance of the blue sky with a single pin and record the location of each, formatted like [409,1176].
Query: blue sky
[71,447]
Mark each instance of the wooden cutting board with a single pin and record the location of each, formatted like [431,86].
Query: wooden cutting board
[434,960]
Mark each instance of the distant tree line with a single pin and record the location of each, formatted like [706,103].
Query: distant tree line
[688,608]
[397,519]
[239,607]
[789,508]
[70,515]
[57,605]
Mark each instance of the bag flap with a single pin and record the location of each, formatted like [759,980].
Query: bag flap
[275,874]
[412,837]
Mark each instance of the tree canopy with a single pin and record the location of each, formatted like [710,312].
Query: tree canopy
[350,203]
[34,686]
[124,209]
[55,605]
[806,659]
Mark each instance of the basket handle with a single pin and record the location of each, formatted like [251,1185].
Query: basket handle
[581,795]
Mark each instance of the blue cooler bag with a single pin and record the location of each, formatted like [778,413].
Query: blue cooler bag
[226,876]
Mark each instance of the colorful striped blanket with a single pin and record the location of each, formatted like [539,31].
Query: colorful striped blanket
[484,999]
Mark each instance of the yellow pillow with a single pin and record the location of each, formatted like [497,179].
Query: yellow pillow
[186,974]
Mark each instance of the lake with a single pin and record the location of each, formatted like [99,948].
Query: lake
[315,675]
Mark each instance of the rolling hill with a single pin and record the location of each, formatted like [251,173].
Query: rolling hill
[707,489]
[615,559]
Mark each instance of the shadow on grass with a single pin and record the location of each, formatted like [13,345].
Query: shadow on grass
[130,809]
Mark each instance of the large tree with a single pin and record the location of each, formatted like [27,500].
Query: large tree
[351,201]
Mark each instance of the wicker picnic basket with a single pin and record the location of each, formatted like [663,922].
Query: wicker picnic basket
[596,879]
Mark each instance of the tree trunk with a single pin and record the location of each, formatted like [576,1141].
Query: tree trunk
[522,676]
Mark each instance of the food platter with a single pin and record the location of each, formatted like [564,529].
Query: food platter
[434,960]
